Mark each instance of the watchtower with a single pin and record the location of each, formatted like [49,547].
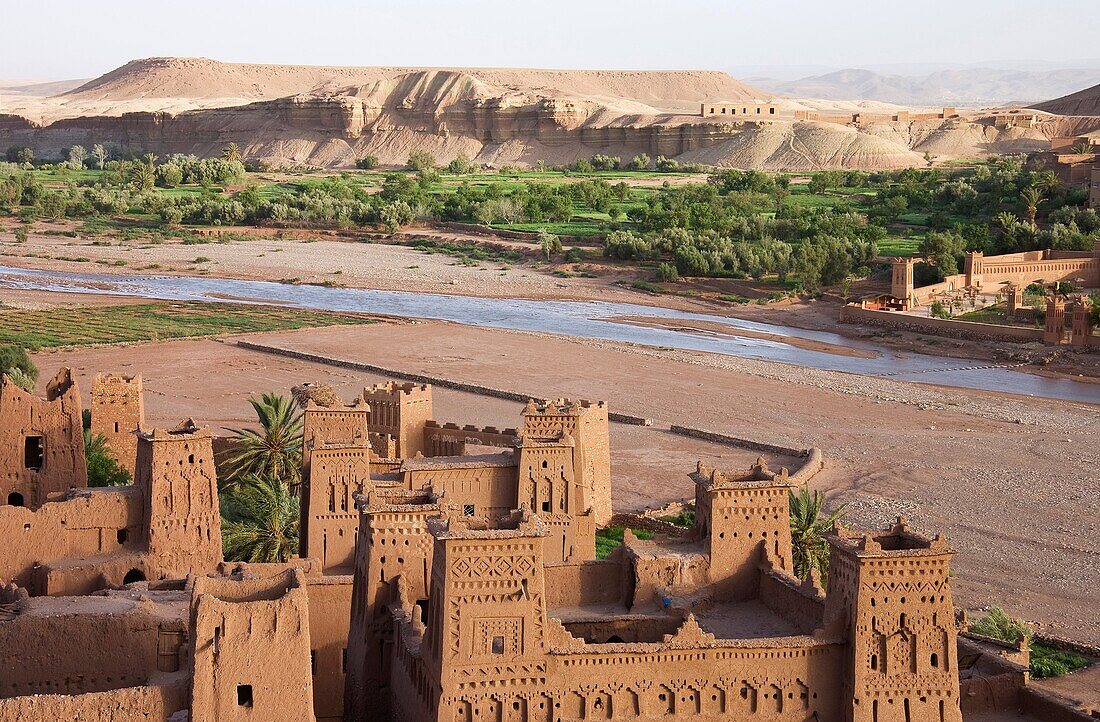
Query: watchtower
[400,411]
[901,282]
[1054,332]
[487,621]
[740,519]
[175,471]
[893,588]
[118,411]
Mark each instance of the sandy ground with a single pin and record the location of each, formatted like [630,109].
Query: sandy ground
[1012,482]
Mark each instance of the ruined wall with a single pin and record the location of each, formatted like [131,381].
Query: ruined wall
[72,646]
[118,411]
[940,327]
[144,703]
[800,603]
[41,442]
[93,524]
[250,649]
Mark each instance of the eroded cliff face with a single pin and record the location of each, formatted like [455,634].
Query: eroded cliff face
[493,117]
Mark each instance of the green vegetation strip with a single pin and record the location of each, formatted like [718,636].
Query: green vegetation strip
[154,322]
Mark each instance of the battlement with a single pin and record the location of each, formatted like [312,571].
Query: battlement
[396,389]
[470,428]
[241,588]
[519,524]
[757,477]
[898,541]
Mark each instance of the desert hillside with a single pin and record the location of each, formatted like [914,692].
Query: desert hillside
[330,116]
[1083,102]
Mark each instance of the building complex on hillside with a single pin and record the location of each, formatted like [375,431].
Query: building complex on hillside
[448,573]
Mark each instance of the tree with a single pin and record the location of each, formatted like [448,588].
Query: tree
[169,175]
[20,154]
[367,162]
[77,155]
[421,160]
[640,162]
[260,521]
[1031,198]
[938,310]
[275,450]
[141,175]
[943,250]
[666,273]
[232,152]
[99,154]
[549,243]
[21,234]
[809,524]
[1007,223]
[17,366]
[461,166]
[103,468]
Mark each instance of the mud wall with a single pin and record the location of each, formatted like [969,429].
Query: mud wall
[940,326]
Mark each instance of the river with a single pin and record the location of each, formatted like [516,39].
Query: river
[584,319]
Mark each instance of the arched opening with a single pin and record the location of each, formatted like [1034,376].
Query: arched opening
[615,639]
[874,661]
[935,660]
[134,575]
[15,499]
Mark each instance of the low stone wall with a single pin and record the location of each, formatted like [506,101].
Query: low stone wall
[479,230]
[940,327]
[1051,708]
[425,379]
[657,526]
[153,703]
[814,459]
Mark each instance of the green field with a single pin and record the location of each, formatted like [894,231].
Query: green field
[153,322]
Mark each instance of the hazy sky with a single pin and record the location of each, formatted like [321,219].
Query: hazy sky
[81,38]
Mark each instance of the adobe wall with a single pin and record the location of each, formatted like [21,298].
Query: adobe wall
[800,603]
[814,460]
[450,439]
[329,621]
[250,649]
[92,524]
[709,110]
[41,442]
[143,703]
[950,328]
[76,645]
[461,482]
[400,410]
[118,411]
[587,583]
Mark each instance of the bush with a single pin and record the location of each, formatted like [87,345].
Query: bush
[605,162]
[640,162]
[999,625]
[17,365]
[461,166]
[103,469]
[575,254]
[367,162]
[421,160]
[666,273]
[938,310]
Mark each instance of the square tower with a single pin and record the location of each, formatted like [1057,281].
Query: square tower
[740,519]
[893,589]
[118,411]
[250,648]
[1054,332]
[487,620]
[400,410]
[175,471]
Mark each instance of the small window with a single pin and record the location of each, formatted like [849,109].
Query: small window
[116,427]
[498,645]
[546,506]
[15,499]
[935,660]
[121,535]
[244,695]
[874,661]
[467,510]
[33,452]
[190,458]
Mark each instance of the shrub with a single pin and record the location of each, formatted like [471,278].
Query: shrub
[17,365]
[421,160]
[640,162]
[367,162]
[103,469]
[605,162]
[21,234]
[666,273]
[461,166]
[939,310]
[575,254]
[999,625]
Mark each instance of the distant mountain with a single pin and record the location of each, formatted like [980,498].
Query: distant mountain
[1083,102]
[961,87]
[37,89]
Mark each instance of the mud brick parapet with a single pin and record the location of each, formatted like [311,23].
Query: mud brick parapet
[424,379]
[814,460]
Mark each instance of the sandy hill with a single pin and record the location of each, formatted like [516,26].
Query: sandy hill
[1083,102]
[200,78]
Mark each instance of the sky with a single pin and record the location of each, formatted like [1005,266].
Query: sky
[81,39]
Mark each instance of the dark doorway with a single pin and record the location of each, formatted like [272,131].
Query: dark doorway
[134,575]
[15,499]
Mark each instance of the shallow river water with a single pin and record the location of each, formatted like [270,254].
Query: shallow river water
[585,319]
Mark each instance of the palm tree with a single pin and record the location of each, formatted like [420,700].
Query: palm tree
[809,525]
[1007,222]
[232,152]
[275,450]
[1047,182]
[260,521]
[1032,197]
